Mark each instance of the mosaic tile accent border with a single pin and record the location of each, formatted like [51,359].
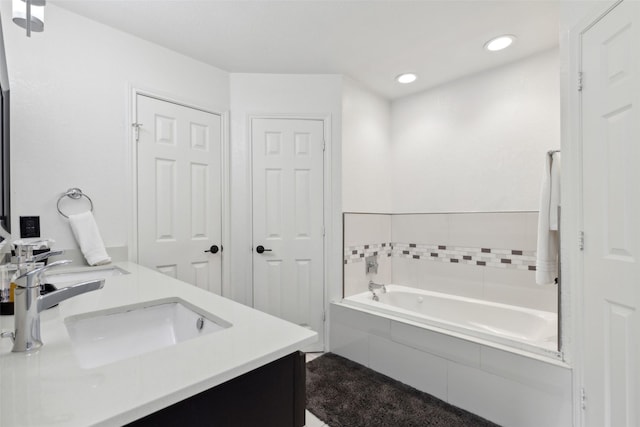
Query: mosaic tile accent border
[485,257]
[515,259]
[358,253]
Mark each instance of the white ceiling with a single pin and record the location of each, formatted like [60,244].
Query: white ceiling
[370,41]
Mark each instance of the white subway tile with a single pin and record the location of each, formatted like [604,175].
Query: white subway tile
[459,350]
[412,272]
[454,278]
[361,229]
[530,231]
[507,402]
[422,272]
[400,271]
[420,370]
[420,228]
[355,279]
[511,277]
[535,373]
[506,230]
[360,320]
[537,297]
[350,343]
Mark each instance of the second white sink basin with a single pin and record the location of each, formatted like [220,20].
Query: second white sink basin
[81,275]
[104,337]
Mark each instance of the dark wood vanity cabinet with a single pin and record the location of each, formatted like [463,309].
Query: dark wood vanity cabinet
[270,396]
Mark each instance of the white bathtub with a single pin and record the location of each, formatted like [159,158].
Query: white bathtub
[524,328]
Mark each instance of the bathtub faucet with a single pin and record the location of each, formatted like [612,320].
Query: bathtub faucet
[373,286]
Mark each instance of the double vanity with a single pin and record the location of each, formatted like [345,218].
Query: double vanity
[147,349]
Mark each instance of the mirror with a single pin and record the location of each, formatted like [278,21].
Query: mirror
[5,199]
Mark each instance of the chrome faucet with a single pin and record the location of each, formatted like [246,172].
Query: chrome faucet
[29,303]
[45,255]
[373,286]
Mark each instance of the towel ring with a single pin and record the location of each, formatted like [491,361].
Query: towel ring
[75,194]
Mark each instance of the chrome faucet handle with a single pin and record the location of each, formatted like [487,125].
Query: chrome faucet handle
[32,277]
[56,297]
[45,255]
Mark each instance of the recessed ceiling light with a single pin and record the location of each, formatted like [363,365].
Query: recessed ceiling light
[406,78]
[500,42]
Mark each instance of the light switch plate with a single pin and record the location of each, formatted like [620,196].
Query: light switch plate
[29,226]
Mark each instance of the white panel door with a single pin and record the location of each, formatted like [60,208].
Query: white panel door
[611,197]
[288,174]
[179,192]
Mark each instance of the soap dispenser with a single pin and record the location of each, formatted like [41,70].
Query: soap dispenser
[23,262]
[7,272]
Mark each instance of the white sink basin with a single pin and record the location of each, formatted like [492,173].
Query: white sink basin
[104,337]
[82,275]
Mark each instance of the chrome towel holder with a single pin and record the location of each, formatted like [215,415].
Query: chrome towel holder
[75,194]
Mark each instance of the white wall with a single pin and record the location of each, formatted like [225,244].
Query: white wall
[278,94]
[71,101]
[366,150]
[478,143]
[70,123]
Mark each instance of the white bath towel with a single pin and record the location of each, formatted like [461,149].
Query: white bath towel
[548,238]
[87,235]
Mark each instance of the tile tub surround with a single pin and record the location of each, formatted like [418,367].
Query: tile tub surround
[507,387]
[478,255]
[368,233]
[355,278]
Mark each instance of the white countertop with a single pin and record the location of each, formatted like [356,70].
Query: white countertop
[49,388]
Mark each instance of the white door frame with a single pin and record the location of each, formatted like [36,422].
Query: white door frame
[572,206]
[224,175]
[328,199]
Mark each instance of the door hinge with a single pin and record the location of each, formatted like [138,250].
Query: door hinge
[323,231]
[581,240]
[324,145]
[324,316]
[136,127]
[583,399]
[580,81]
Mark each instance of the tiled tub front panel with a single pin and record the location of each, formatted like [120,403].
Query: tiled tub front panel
[507,388]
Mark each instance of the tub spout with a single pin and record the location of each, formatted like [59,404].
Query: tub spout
[373,286]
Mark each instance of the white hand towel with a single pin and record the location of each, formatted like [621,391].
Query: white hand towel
[547,252]
[554,198]
[87,235]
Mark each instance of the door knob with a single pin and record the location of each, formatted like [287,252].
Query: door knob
[260,249]
[213,249]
